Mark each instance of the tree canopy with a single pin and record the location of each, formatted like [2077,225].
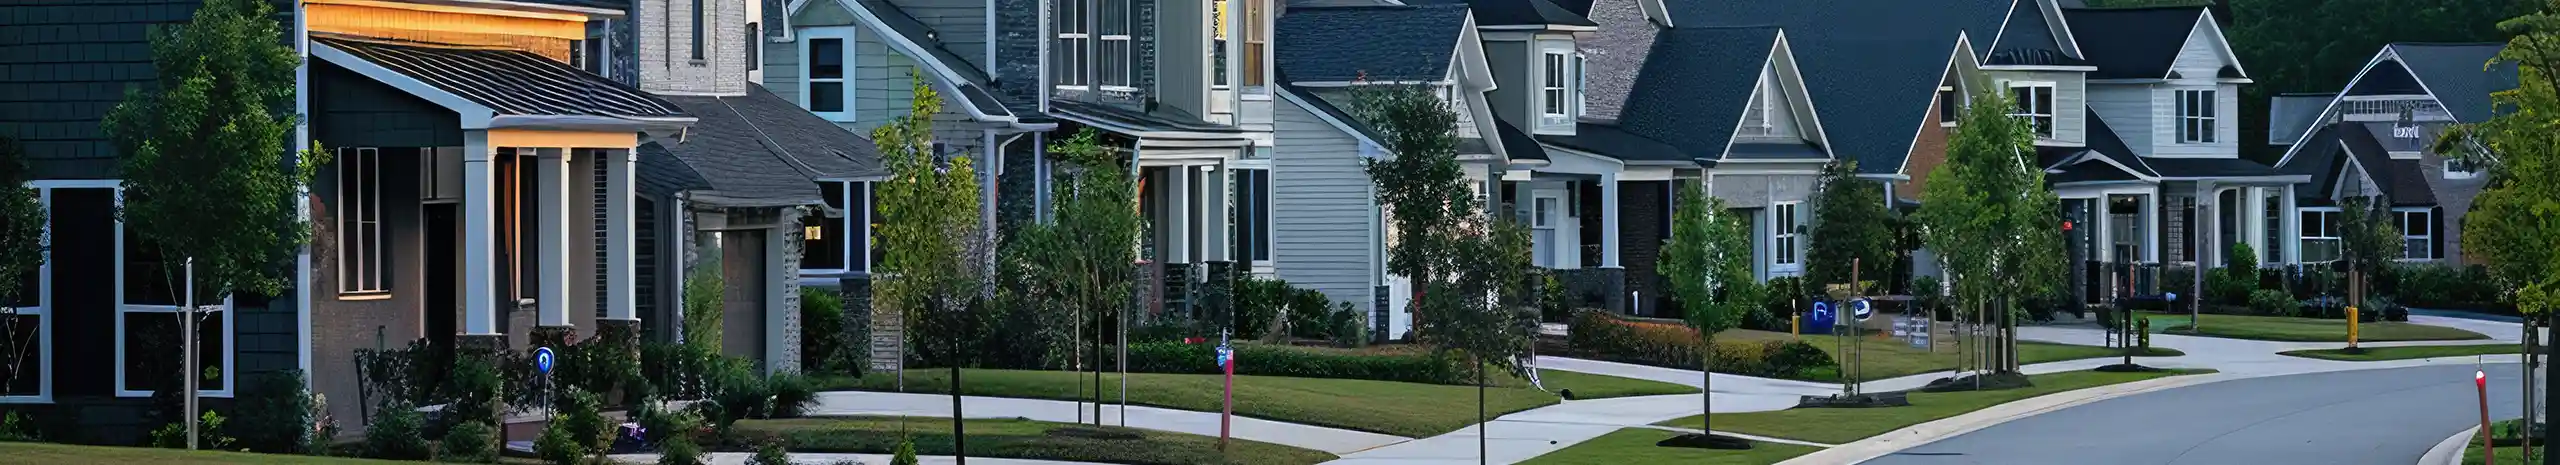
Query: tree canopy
[1989,215]
[930,203]
[2516,219]
[1849,224]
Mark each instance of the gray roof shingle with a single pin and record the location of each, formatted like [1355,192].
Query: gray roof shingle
[1695,85]
[2324,158]
[2459,75]
[2028,40]
[510,82]
[1380,42]
[2290,115]
[1613,55]
[756,150]
[1516,12]
[2132,43]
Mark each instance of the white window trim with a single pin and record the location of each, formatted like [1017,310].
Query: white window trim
[44,300]
[1580,105]
[348,206]
[1783,237]
[2212,121]
[809,35]
[1551,79]
[856,220]
[1270,190]
[230,342]
[2301,231]
[2052,91]
[1957,112]
[2400,218]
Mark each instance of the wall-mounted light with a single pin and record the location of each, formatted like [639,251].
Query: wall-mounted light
[813,233]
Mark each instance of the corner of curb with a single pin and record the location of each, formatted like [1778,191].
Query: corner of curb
[1922,434]
[2449,451]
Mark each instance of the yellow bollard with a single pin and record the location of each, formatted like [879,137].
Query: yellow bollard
[1795,326]
[2352,323]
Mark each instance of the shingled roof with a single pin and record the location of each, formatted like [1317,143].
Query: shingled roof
[1695,86]
[756,150]
[1375,42]
[1516,12]
[2132,43]
[2459,75]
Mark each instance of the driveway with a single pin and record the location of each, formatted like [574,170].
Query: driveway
[2379,417]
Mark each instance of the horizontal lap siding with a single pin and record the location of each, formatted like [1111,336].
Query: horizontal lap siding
[1321,207]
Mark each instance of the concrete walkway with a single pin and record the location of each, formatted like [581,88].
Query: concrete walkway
[1332,440]
[740,458]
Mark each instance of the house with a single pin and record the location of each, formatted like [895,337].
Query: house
[2375,138]
[1328,232]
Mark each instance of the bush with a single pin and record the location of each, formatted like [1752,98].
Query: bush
[791,393]
[477,390]
[1259,303]
[275,414]
[559,446]
[822,337]
[2273,303]
[1270,360]
[1311,314]
[2228,288]
[208,434]
[15,427]
[1655,344]
[661,425]
[679,371]
[770,453]
[1554,305]
[906,454]
[1772,359]
[1351,326]
[396,434]
[581,417]
[737,393]
[470,442]
[679,450]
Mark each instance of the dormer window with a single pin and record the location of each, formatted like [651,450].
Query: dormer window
[2035,105]
[2196,120]
[1093,44]
[1553,92]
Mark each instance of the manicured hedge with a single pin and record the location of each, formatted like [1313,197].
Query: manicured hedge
[1267,360]
[1597,333]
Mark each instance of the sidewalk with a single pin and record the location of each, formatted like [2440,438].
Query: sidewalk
[740,458]
[1335,441]
[1528,434]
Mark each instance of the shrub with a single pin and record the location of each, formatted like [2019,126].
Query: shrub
[1654,344]
[659,425]
[1772,359]
[679,371]
[770,453]
[1351,327]
[15,427]
[1554,305]
[275,413]
[470,442]
[2227,288]
[208,434]
[1271,360]
[737,393]
[2273,302]
[822,331]
[791,393]
[1797,356]
[581,417]
[559,446]
[396,434]
[702,304]
[679,450]
[477,390]
[906,454]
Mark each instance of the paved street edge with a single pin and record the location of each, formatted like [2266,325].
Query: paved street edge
[1925,433]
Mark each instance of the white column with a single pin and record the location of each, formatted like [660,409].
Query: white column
[479,236]
[2292,235]
[2255,214]
[2106,233]
[2151,226]
[551,232]
[1177,225]
[619,237]
[1216,232]
[2207,227]
[1609,220]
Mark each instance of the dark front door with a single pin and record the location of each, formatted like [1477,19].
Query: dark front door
[742,266]
[444,274]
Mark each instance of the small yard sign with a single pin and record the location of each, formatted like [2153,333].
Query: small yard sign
[542,359]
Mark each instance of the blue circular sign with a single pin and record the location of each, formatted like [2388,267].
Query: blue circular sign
[542,359]
[1820,319]
[1861,309]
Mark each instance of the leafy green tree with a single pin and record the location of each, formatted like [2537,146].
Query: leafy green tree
[1988,214]
[1707,266]
[2369,238]
[1469,269]
[2516,219]
[1850,228]
[22,246]
[937,253]
[1081,260]
[216,125]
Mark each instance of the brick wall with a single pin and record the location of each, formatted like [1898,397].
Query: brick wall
[1017,42]
[1928,151]
[665,47]
[1643,207]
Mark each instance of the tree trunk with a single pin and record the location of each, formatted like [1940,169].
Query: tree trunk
[1482,430]
[1706,388]
[2550,410]
[959,432]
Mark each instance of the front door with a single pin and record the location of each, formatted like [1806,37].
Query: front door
[1546,215]
[443,299]
[742,268]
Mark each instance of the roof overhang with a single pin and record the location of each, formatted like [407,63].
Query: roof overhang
[1540,28]
[1337,123]
[488,7]
[2378,58]
[2269,179]
[474,115]
[946,75]
[2038,68]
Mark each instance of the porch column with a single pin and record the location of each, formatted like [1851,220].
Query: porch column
[1215,233]
[2254,215]
[551,231]
[2292,221]
[619,285]
[1177,196]
[2106,233]
[2151,226]
[2207,228]
[1609,220]
[479,237]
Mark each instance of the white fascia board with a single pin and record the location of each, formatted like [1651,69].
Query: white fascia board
[1960,62]
[2296,146]
[2061,26]
[2221,42]
[1478,70]
[1812,119]
[1344,126]
[2083,69]
[1368,83]
[474,115]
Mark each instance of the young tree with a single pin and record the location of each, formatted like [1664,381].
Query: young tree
[1849,224]
[936,252]
[22,246]
[1988,214]
[1707,266]
[1469,269]
[2514,221]
[1082,258]
[2369,237]
[206,174]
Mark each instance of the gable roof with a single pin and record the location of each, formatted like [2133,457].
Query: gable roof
[2105,153]
[2289,115]
[2027,39]
[2458,75]
[2133,43]
[1516,12]
[1882,58]
[756,150]
[961,77]
[1695,86]
[1392,43]
[1613,55]
[2331,149]
[501,87]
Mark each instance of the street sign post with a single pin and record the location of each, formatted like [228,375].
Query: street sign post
[1862,309]
[1226,363]
[542,361]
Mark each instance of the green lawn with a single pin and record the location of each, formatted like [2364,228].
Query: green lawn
[1891,358]
[1022,439]
[1402,409]
[1843,425]
[1636,446]
[2282,328]
[2373,354]
[2509,455]
[30,453]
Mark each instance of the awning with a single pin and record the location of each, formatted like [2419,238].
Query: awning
[495,87]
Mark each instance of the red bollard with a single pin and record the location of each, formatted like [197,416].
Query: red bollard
[2481,379]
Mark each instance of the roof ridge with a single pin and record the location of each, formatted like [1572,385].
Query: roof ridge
[2136,8]
[2448,44]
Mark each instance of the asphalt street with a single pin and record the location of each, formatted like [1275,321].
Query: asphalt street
[2377,417]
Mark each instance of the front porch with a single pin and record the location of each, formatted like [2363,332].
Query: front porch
[2125,237]
[1204,193]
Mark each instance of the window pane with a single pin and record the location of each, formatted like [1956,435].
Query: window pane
[2044,101]
[147,280]
[826,58]
[23,331]
[826,96]
[879,251]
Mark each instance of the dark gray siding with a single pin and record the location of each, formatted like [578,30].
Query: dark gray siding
[63,65]
[350,110]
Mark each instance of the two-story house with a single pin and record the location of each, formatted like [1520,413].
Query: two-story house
[2159,179]
[2375,139]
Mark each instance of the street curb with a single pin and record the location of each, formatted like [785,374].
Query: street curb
[2449,451]
[1925,433]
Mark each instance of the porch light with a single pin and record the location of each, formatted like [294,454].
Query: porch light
[813,233]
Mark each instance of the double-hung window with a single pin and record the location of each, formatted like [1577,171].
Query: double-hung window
[2196,116]
[360,234]
[2035,105]
[1252,212]
[150,321]
[828,51]
[1552,90]
[1093,44]
[2417,233]
[844,242]
[2320,240]
[1784,238]
[1114,55]
[1074,38]
[1257,41]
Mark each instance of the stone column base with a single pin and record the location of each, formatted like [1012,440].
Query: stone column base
[555,337]
[480,342]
